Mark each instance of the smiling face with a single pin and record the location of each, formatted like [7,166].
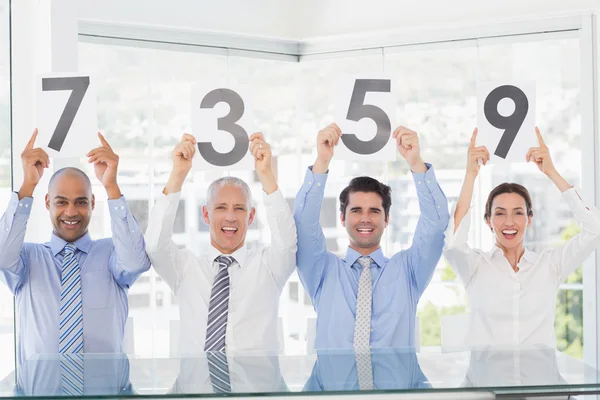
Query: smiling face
[509,220]
[70,202]
[365,221]
[228,216]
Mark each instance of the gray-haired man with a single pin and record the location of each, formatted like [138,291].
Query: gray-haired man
[229,296]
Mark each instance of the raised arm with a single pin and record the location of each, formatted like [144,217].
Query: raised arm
[424,253]
[312,255]
[127,235]
[456,249]
[281,254]
[166,257]
[13,268]
[568,257]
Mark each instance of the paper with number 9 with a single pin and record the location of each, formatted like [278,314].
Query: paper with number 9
[506,120]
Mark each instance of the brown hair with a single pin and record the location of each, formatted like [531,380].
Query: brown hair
[507,187]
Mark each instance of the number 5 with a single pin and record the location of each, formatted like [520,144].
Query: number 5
[358,110]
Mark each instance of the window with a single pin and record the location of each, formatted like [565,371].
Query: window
[144,108]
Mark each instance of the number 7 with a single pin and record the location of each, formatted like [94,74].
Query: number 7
[78,86]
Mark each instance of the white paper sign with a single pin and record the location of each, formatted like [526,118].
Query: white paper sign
[506,120]
[365,112]
[66,117]
[222,123]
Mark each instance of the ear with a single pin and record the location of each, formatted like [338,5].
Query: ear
[93,201]
[47,199]
[205,215]
[342,220]
[529,219]
[487,221]
[387,220]
[252,214]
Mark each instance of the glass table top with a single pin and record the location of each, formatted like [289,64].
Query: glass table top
[483,373]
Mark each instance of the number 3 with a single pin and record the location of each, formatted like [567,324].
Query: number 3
[227,124]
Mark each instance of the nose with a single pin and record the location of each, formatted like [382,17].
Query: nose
[71,210]
[230,216]
[365,217]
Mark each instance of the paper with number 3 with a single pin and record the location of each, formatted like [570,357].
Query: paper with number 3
[221,124]
[365,112]
[66,116]
[506,120]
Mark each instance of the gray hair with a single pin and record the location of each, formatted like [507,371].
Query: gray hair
[229,181]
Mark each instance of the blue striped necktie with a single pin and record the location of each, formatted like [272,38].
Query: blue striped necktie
[216,328]
[70,343]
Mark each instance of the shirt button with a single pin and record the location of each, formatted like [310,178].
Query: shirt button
[420,182]
[318,183]
[122,207]
[428,181]
[438,206]
[371,329]
[20,204]
[116,208]
[26,205]
[301,205]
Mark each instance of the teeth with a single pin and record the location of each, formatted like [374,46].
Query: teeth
[70,222]
[365,230]
[229,229]
[509,232]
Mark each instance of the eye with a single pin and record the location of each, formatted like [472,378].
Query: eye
[82,202]
[519,212]
[220,207]
[61,202]
[354,211]
[240,209]
[499,213]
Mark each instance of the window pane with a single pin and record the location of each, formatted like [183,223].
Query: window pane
[6,299]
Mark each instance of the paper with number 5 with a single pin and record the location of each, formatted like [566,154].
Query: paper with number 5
[65,110]
[221,123]
[365,112]
[506,120]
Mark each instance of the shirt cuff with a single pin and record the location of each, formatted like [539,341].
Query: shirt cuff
[22,206]
[462,233]
[314,183]
[426,181]
[574,200]
[118,208]
[274,199]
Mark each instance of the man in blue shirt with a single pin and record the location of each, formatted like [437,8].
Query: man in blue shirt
[366,299]
[71,292]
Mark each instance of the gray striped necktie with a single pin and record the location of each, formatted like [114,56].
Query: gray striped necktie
[216,328]
[70,342]
[362,326]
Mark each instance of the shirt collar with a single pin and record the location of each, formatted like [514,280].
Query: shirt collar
[353,255]
[57,244]
[528,255]
[240,255]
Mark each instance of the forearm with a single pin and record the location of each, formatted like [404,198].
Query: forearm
[559,181]
[127,238]
[464,200]
[175,182]
[320,166]
[13,226]
[268,181]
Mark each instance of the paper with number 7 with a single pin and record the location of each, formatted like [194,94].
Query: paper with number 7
[66,118]
[365,112]
[506,120]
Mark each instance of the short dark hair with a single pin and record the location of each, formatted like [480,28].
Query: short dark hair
[507,187]
[69,170]
[368,185]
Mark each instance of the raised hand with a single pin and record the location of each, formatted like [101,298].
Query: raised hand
[106,165]
[407,142]
[474,154]
[541,156]
[261,151]
[34,160]
[327,139]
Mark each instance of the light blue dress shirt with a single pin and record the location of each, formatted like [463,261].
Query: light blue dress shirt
[398,282]
[393,369]
[32,272]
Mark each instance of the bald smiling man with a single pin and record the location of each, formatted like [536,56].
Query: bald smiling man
[71,292]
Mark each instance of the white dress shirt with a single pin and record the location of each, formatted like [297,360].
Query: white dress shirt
[256,278]
[514,308]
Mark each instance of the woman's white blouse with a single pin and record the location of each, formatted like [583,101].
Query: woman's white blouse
[513,308]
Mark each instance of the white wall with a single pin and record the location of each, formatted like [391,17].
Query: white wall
[298,19]
[269,18]
[337,17]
